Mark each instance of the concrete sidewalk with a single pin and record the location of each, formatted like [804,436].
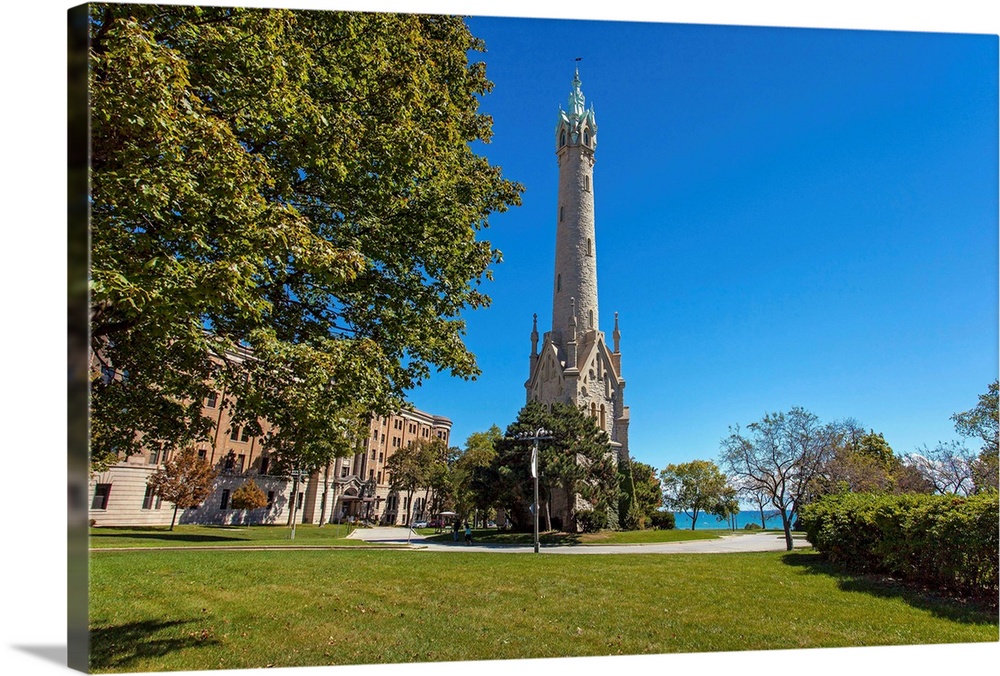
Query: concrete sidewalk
[742,542]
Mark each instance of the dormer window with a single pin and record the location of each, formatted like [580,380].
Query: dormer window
[586,138]
[562,138]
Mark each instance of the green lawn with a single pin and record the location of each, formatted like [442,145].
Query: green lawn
[220,536]
[172,610]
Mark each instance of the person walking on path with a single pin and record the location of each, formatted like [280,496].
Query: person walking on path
[468,533]
[454,530]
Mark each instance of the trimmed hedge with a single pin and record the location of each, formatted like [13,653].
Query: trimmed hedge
[943,541]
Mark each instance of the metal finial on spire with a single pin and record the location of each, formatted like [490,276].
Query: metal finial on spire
[617,335]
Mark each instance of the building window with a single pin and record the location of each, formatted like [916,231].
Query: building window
[590,318]
[603,425]
[590,247]
[343,471]
[560,214]
[381,456]
[586,183]
[202,454]
[559,282]
[240,460]
[586,138]
[101,494]
[154,457]
[270,499]
[230,462]
[213,399]
[373,454]
[264,462]
[298,502]
[225,499]
[235,434]
[246,434]
[371,474]
[380,477]
[147,499]
[562,138]
[375,435]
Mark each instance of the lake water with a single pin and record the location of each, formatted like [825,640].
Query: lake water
[706,521]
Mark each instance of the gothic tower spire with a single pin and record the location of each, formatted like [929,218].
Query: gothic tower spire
[576,257]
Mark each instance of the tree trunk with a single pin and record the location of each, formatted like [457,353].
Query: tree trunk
[326,494]
[694,518]
[763,521]
[786,524]
[548,516]
[291,510]
[173,519]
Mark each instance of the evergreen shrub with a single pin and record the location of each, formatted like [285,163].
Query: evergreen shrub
[592,520]
[943,541]
[663,520]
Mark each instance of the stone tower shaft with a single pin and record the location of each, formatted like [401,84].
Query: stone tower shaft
[575,275]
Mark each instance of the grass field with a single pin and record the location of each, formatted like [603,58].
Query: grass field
[220,536]
[171,610]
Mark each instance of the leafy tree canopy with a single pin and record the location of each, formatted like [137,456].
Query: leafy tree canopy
[577,460]
[184,480]
[693,487]
[297,183]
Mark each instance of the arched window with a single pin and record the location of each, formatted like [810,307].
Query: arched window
[603,425]
[586,183]
[593,410]
[586,138]
[590,319]
[562,139]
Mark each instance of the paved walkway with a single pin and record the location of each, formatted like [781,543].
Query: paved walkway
[742,542]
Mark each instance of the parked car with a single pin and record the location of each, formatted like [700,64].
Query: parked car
[420,524]
[435,523]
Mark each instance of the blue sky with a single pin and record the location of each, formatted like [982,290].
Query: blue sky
[785,217]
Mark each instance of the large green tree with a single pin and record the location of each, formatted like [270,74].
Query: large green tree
[983,423]
[693,487]
[281,181]
[953,467]
[576,460]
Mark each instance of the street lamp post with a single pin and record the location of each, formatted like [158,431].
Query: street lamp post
[297,475]
[539,434]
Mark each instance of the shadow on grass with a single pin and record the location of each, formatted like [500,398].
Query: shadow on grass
[118,646]
[492,537]
[110,534]
[953,608]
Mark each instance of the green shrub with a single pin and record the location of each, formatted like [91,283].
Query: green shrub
[592,520]
[944,541]
[751,526]
[663,520]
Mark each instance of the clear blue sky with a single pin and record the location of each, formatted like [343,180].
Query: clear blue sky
[785,217]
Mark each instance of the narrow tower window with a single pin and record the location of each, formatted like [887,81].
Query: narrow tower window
[560,214]
[590,247]
[603,424]
[586,183]
[590,319]
[562,139]
[558,282]
[586,138]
